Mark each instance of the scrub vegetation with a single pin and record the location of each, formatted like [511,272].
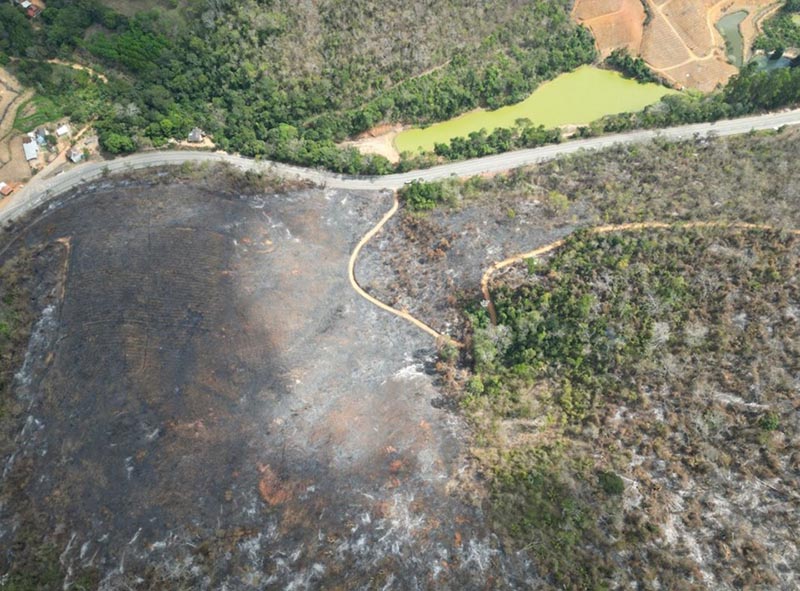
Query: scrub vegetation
[635,408]
[15,321]
[638,399]
[782,30]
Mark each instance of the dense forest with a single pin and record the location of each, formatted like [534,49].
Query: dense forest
[288,81]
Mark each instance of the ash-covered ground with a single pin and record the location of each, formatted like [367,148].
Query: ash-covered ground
[431,264]
[206,403]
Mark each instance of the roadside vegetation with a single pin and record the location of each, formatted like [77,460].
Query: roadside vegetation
[559,102]
[289,82]
[750,91]
[636,408]
[747,178]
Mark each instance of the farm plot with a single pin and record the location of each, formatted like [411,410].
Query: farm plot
[677,38]
[12,161]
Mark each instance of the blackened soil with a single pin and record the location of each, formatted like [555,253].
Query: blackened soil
[206,403]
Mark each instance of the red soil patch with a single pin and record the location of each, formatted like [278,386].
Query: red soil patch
[273,492]
[614,23]
[662,47]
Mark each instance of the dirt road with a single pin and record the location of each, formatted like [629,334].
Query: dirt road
[548,248]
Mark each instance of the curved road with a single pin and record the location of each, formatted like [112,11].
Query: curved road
[40,190]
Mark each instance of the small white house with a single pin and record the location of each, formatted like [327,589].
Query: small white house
[31,149]
[75,155]
[196,135]
[63,130]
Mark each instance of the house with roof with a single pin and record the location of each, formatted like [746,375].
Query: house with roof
[31,10]
[75,155]
[63,130]
[31,149]
[40,135]
[196,135]
[5,189]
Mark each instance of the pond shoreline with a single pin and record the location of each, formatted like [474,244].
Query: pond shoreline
[576,98]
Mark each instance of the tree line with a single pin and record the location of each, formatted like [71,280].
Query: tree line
[781,31]
[168,74]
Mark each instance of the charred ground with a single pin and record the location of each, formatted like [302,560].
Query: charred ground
[205,402]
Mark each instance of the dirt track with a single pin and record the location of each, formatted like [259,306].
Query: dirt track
[677,37]
[219,407]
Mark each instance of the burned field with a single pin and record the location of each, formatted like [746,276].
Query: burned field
[201,400]
[205,402]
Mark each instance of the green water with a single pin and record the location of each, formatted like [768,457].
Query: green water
[764,63]
[576,98]
[728,26]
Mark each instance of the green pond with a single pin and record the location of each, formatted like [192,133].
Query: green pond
[728,26]
[576,98]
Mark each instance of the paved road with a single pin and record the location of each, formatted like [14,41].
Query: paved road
[40,190]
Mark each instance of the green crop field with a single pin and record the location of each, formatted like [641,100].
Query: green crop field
[35,112]
[578,98]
